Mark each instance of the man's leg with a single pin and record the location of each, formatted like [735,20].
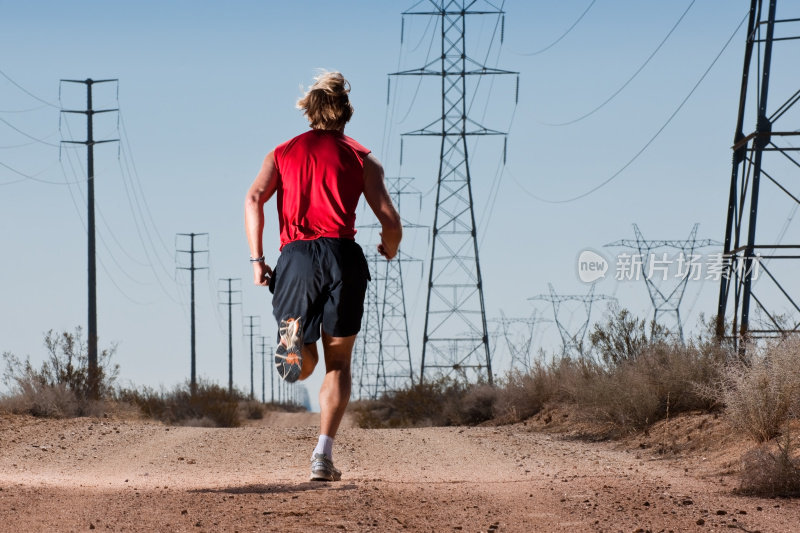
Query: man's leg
[334,394]
[310,360]
[333,398]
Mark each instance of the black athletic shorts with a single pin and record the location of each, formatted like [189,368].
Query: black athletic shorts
[323,282]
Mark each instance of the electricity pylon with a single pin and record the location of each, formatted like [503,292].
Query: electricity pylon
[368,341]
[666,297]
[572,338]
[764,153]
[455,338]
[518,334]
[394,352]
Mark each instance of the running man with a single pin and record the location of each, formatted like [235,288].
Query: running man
[321,275]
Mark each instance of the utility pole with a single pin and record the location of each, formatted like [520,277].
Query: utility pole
[92,272]
[253,324]
[456,339]
[230,303]
[191,268]
[262,349]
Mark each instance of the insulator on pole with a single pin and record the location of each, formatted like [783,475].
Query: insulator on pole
[516,92]
[401,151]
[402,28]
[502,28]
[388,89]
[505,147]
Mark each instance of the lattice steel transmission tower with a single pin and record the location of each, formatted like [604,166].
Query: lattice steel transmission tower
[666,298]
[396,370]
[455,336]
[518,334]
[763,156]
[572,338]
[367,349]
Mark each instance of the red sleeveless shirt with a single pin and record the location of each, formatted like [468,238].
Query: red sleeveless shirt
[321,178]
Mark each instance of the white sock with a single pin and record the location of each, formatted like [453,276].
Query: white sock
[324,446]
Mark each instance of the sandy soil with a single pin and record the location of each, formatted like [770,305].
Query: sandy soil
[129,475]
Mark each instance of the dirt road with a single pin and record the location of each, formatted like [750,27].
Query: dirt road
[128,475]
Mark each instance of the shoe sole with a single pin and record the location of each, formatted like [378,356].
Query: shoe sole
[289,372]
[288,356]
[325,476]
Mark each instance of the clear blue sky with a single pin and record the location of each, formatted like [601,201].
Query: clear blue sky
[206,89]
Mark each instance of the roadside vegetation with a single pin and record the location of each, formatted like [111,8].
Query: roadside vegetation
[59,388]
[633,375]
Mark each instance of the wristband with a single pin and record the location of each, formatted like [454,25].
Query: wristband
[258,260]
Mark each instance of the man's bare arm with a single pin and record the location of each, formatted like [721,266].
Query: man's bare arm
[381,204]
[262,189]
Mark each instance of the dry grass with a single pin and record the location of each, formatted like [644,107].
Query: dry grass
[664,378]
[632,379]
[771,470]
[209,406]
[762,392]
[420,405]
[60,386]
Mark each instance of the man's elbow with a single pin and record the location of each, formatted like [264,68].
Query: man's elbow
[252,200]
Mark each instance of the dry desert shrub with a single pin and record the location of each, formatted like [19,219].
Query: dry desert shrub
[635,392]
[209,406]
[636,376]
[762,392]
[444,402]
[523,394]
[60,386]
[768,472]
[251,409]
[41,399]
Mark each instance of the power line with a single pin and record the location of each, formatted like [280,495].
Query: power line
[32,177]
[29,136]
[142,229]
[138,182]
[551,45]
[635,74]
[30,109]
[648,143]
[26,91]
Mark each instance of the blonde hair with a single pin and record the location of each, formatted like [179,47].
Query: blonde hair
[326,104]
